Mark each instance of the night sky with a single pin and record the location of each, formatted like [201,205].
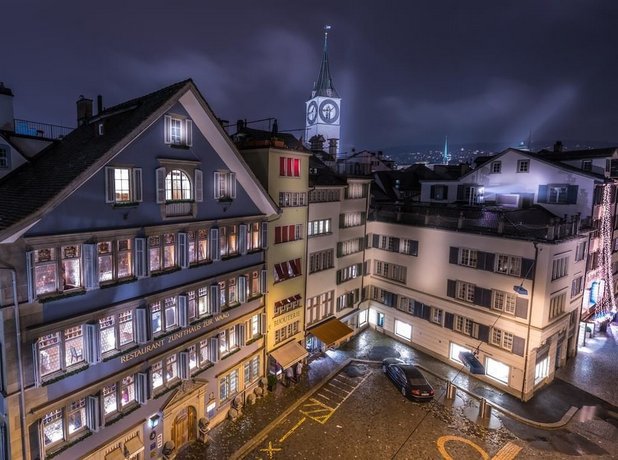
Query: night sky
[409,72]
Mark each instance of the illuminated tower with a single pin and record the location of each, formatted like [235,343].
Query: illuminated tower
[323,110]
[445,155]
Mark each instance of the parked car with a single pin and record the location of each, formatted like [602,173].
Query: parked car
[408,379]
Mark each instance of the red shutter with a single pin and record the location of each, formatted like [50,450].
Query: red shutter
[291,233]
[289,170]
[297,167]
[277,234]
[282,166]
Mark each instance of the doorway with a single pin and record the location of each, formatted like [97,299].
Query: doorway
[185,426]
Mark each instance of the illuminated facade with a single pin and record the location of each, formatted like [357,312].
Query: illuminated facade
[135,246]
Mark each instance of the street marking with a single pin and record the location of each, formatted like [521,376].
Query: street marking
[508,452]
[284,437]
[270,450]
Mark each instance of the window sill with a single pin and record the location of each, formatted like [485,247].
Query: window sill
[109,284]
[253,339]
[122,414]
[67,445]
[59,375]
[233,352]
[319,234]
[166,271]
[225,200]
[168,389]
[180,146]
[201,263]
[109,355]
[61,295]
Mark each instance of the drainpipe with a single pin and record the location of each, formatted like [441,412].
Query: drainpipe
[22,400]
[523,385]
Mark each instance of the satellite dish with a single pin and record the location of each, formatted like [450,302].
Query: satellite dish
[520,290]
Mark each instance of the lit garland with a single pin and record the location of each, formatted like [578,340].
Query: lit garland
[606,250]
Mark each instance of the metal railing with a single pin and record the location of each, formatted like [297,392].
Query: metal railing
[42,130]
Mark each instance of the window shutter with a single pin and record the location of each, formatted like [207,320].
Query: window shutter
[215,184]
[453,255]
[30,276]
[521,307]
[375,241]
[396,244]
[141,325]
[482,297]
[142,387]
[242,289]
[451,288]
[413,248]
[213,350]
[199,186]
[242,239]
[167,129]
[262,323]
[91,278]
[339,249]
[93,413]
[363,218]
[542,194]
[183,365]
[263,281]
[183,250]
[448,320]
[341,220]
[183,310]
[264,235]
[137,185]
[160,175]
[240,334]
[519,345]
[490,262]
[215,301]
[141,269]
[110,190]
[526,268]
[215,251]
[480,259]
[188,133]
[572,194]
[483,333]
[232,177]
[92,341]
[36,366]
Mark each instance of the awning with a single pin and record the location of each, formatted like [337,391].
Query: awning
[133,446]
[115,454]
[471,362]
[289,354]
[289,300]
[331,332]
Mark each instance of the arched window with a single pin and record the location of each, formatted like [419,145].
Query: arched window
[177,186]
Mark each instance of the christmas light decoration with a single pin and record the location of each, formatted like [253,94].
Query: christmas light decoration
[601,308]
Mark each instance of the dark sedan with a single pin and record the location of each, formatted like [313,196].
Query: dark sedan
[408,379]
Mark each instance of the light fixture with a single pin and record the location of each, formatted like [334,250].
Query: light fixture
[153,421]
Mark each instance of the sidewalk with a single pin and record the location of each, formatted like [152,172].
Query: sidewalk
[549,405]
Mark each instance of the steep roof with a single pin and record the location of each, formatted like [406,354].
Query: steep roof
[323,86]
[37,183]
[578,154]
[322,175]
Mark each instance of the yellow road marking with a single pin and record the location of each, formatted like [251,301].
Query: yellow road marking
[300,422]
[270,450]
[508,452]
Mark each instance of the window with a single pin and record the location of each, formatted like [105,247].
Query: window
[580,251]
[289,167]
[496,167]
[287,331]
[349,272]
[403,329]
[558,194]
[465,326]
[254,236]
[321,195]
[114,260]
[348,299]
[321,260]
[5,158]
[73,345]
[576,286]
[156,373]
[380,320]
[287,270]
[509,265]
[165,320]
[286,233]
[123,185]
[198,246]
[53,427]
[348,247]
[409,247]
[127,391]
[455,350]
[292,199]
[362,317]
[523,166]
[162,252]
[437,316]
[587,165]
[320,306]
[439,192]
[390,271]
[225,185]
[406,304]
[110,401]
[255,326]
[319,227]
[559,267]
[351,219]
[77,416]
[497,370]
[287,304]
[503,301]
[356,191]
[252,370]
[465,291]
[50,358]
[171,368]
[177,186]
[56,269]
[178,131]
[468,257]
[501,339]
[556,305]
[541,370]
[228,385]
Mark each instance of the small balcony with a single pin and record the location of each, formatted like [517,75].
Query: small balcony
[179,209]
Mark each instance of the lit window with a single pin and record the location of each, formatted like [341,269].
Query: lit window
[177,186]
[403,329]
[127,391]
[510,265]
[289,167]
[171,368]
[108,333]
[53,427]
[523,166]
[77,415]
[157,374]
[123,185]
[455,350]
[178,131]
[225,185]
[110,403]
[541,370]
[162,251]
[49,353]
[497,370]
[73,345]
[198,246]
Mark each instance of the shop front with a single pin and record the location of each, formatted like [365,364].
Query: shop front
[329,334]
[285,357]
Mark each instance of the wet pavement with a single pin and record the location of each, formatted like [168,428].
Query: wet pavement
[548,405]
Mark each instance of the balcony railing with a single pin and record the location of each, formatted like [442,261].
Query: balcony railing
[181,208]
[42,130]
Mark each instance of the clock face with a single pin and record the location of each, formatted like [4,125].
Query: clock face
[312,112]
[329,111]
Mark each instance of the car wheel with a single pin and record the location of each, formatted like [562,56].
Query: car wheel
[403,390]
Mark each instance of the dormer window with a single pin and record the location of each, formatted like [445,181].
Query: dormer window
[123,185]
[178,131]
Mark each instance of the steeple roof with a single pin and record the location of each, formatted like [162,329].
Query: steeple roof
[323,86]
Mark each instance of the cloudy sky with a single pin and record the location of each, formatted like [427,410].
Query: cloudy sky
[409,71]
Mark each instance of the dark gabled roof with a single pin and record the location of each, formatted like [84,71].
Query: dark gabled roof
[408,180]
[324,175]
[249,137]
[578,154]
[37,183]
[323,86]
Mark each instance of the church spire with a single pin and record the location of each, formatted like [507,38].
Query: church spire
[324,84]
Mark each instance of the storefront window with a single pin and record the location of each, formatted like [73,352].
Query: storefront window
[127,391]
[541,370]
[362,317]
[108,334]
[455,350]
[73,345]
[53,427]
[403,329]
[49,353]
[109,399]
[497,370]
[77,415]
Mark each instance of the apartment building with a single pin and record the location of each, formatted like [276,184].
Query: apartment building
[132,281]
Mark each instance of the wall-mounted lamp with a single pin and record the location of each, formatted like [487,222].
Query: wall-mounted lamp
[153,421]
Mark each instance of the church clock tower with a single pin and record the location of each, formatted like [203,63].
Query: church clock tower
[323,110]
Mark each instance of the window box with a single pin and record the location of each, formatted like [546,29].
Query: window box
[63,295]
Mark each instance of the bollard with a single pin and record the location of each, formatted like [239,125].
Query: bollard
[484,409]
[451,390]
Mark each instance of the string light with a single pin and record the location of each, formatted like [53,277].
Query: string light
[606,252]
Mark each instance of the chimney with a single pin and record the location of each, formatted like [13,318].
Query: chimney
[7,121]
[558,146]
[99,104]
[332,147]
[275,129]
[84,110]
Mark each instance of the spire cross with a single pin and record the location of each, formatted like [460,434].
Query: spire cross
[326,29]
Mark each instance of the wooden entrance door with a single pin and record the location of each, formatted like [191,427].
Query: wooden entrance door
[185,426]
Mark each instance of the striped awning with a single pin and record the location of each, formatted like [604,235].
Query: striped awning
[289,354]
